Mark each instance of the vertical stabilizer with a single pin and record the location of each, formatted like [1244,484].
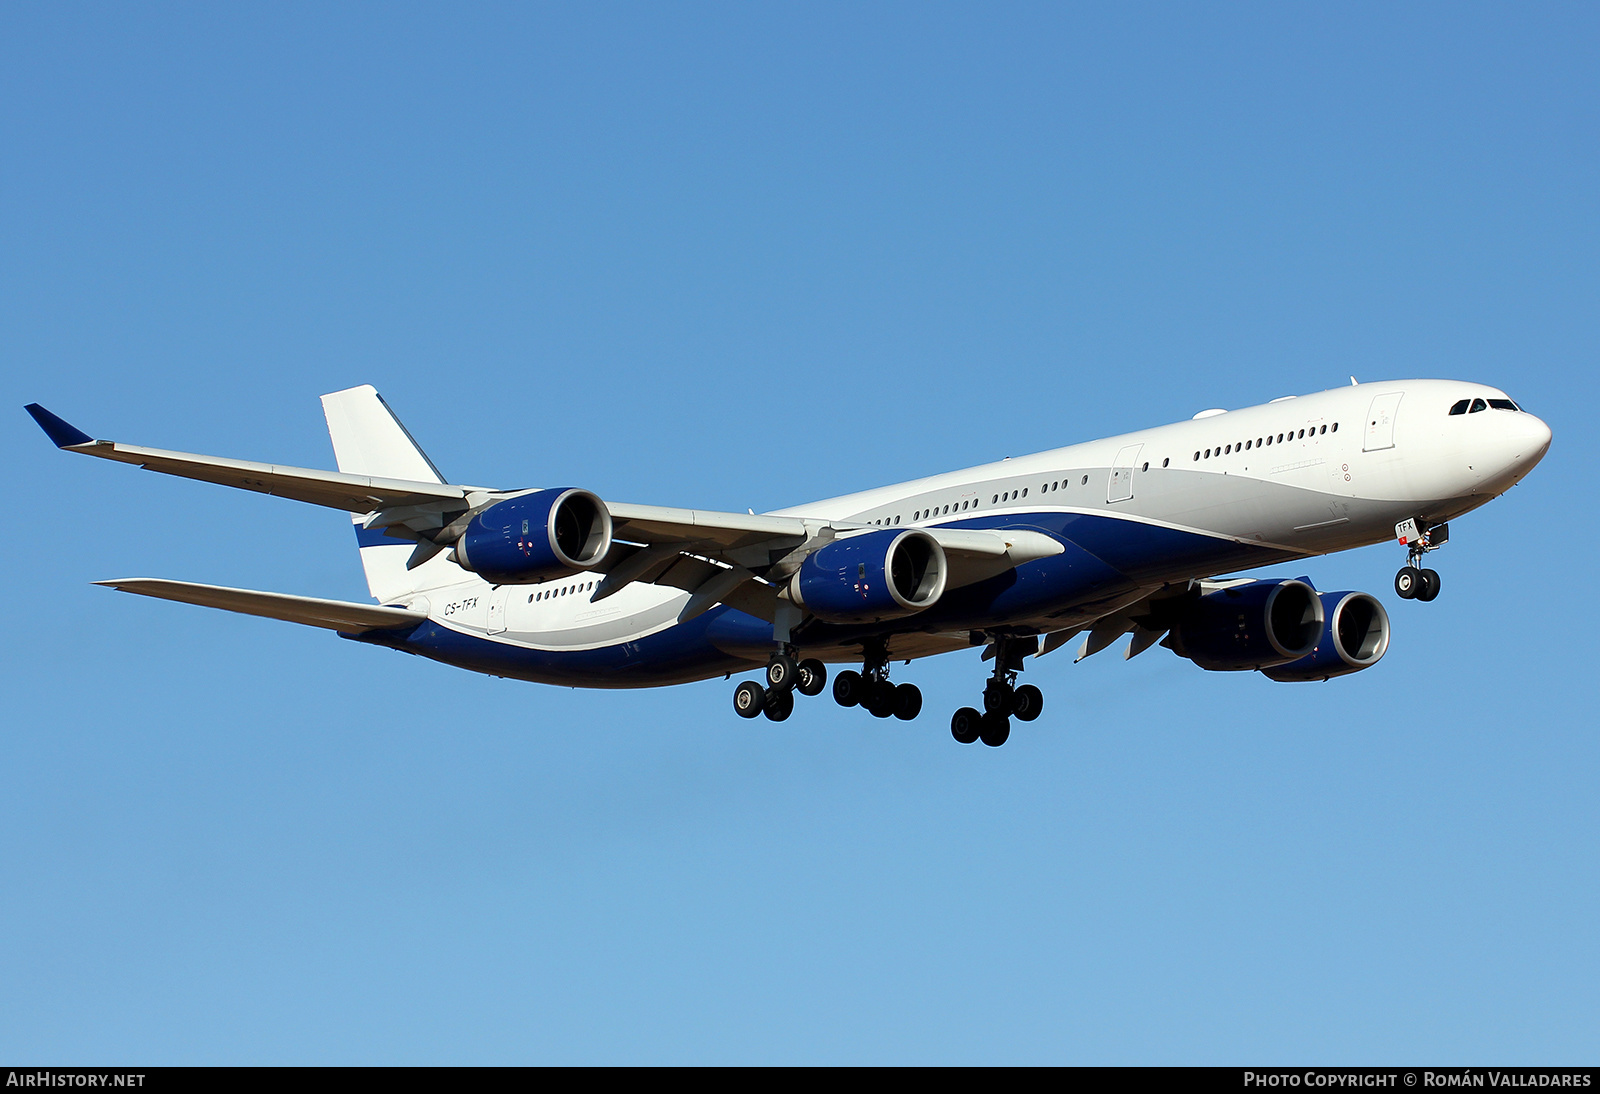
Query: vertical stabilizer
[369,440]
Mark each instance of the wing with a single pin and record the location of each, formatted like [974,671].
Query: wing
[744,559]
[335,615]
[1147,617]
[352,493]
[740,559]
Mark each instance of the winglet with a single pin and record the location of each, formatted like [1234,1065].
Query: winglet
[61,434]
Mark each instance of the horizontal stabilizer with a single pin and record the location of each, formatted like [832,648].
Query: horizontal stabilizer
[335,615]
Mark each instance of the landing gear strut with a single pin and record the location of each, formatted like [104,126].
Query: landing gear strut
[870,688]
[785,676]
[1413,582]
[1002,699]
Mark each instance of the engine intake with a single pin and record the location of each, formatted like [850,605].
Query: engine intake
[1252,626]
[1355,637]
[536,536]
[871,577]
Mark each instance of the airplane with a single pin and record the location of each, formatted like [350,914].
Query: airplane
[1130,535]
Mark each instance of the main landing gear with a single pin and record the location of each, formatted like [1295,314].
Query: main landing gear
[870,688]
[1002,699]
[1413,582]
[785,676]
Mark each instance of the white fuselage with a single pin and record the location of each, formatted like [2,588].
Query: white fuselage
[1294,477]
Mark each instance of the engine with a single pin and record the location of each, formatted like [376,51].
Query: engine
[1257,625]
[1355,637]
[536,536]
[871,577]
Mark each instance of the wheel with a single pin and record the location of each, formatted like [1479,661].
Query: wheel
[880,701]
[813,677]
[781,673]
[1408,582]
[1430,586]
[907,702]
[779,705]
[966,725]
[1027,702]
[995,730]
[847,688]
[997,697]
[748,698]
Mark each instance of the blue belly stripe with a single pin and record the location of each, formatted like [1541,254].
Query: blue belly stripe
[1104,556]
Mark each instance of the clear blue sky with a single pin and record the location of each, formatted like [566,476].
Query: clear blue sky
[747,255]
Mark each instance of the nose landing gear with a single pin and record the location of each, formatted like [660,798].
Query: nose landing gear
[1413,582]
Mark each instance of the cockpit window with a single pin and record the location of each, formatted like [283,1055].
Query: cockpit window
[1461,407]
[1477,405]
[1503,404]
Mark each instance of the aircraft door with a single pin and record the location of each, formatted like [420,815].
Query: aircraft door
[1120,487]
[497,609]
[1380,422]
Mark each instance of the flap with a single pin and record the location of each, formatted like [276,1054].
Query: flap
[662,524]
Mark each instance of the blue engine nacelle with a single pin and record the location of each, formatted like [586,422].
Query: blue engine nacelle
[1355,637]
[537,536]
[871,577]
[1252,626]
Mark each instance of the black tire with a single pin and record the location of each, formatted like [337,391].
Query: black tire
[996,730]
[996,698]
[779,704]
[813,677]
[1430,586]
[1408,582]
[748,699]
[966,725]
[880,701]
[1027,702]
[847,688]
[781,673]
[907,702]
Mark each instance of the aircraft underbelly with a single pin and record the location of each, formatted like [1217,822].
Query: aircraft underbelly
[1174,527]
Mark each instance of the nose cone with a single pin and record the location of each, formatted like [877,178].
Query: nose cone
[1520,442]
[1532,441]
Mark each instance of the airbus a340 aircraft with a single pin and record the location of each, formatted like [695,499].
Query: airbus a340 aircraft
[1119,536]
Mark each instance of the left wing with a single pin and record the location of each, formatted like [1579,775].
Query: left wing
[745,559]
[352,493]
[739,559]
